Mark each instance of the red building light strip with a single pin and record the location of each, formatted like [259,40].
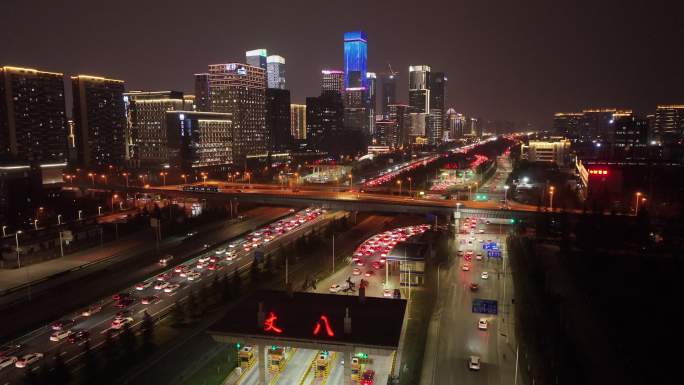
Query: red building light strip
[598,172]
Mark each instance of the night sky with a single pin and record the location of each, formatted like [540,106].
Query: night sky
[513,60]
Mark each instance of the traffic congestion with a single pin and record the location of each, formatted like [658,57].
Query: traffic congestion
[154,296]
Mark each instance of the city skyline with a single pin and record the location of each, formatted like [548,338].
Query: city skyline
[486,78]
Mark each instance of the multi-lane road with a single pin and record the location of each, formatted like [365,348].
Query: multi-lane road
[454,334]
[162,290]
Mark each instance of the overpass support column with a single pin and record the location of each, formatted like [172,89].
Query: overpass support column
[262,363]
[347,368]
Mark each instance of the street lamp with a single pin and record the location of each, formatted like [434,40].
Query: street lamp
[204,178]
[99,210]
[351,180]
[92,177]
[35,224]
[249,178]
[16,237]
[126,176]
[185,178]
[410,185]
[636,207]
[103,176]
[163,175]
[551,190]
[399,184]
[59,219]
[506,187]
[4,234]
[79,214]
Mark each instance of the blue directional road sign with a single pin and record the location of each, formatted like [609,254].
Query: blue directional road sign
[494,254]
[485,306]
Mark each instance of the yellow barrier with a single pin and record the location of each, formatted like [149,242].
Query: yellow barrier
[331,366]
[287,361]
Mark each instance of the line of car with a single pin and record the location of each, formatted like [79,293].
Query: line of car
[168,282]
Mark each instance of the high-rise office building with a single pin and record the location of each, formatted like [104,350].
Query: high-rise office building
[240,90]
[278,119]
[199,140]
[435,128]
[355,59]
[298,121]
[631,133]
[324,115]
[386,133]
[276,71]
[371,92]
[355,111]
[419,88]
[475,127]
[146,124]
[332,81]
[202,102]
[389,92]
[257,58]
[400,114]
[455,124]
[33,122]
[100,118]
[668,122]
[565,123]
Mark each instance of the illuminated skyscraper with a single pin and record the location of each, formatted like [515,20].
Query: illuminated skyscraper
[355,59]
[668,120]
[276,71]
[419,88]
[332,80]
[324,116]
[33,123]
[298,121]
[435,128]
[257,58]
[146,124]
[199,140]
[371,91]
[240,90]
[100,118]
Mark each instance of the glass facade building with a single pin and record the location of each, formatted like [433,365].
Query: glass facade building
[355,59]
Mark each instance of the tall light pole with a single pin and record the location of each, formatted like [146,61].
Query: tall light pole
[163,175]
[103,176]
[35,224]
[636,207]
[92,177]
[16,237]
[185,178]
[4,234]
[399,184]
[99,210]
[79,214]
[350,180]
[551,190]
[125,175]
[113,198]
[59,219]
[410,185]
[506,187]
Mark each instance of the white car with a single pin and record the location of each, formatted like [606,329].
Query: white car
[465,268]
[335,288]
[478,256]
[204,259]
[231,255]
[7,361]
[91,310]
[484,275]
[28,359]
[143,285]
[60,335]
[474,363]
[482,324]
[161,285]
[171,288]
[220,251]
[480,231]
[119,323]
[194,276]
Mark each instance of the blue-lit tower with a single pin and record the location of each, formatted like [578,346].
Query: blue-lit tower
[355,59]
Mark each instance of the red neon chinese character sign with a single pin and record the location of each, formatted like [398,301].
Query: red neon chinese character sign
[598,172]
[328,329]
[269,323]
